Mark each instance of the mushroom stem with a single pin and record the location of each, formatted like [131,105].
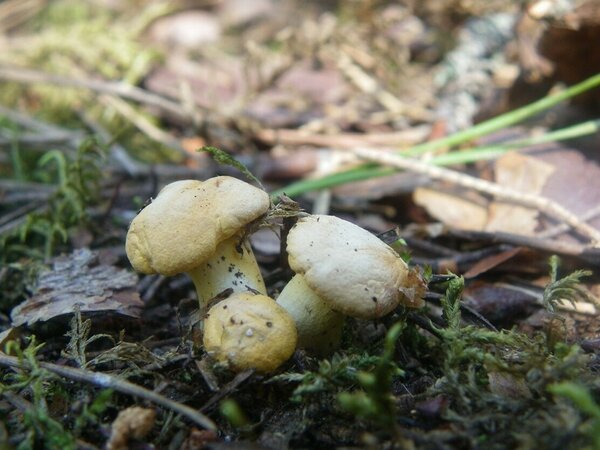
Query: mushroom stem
[233,265]
[319,327]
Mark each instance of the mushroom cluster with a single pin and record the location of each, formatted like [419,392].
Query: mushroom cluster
[200,228]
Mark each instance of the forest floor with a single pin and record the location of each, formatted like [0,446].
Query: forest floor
[463,134]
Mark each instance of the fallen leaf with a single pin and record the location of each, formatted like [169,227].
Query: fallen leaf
[455,211]
[523,174]
[575,183]
[134,422]
[80,279]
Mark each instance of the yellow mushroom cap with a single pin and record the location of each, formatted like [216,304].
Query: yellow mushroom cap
[353,271]
[182,227]
[249,331]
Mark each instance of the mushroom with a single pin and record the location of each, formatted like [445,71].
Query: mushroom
[198,227]
[341,269]
[319,327]
[248,331]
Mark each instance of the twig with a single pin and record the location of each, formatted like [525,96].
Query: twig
[25,120]
[228,388]
[461,261]
[145,126]
[125,387]
[553,246]
[53,134]
[45,133]
[18,212]
[407,137]
[559,229]
[542,204]
[103,87]
[20,220]
[117,152]
[37,139]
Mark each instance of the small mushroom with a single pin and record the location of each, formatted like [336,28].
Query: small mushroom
[248,331]
[198,227]
[345,270]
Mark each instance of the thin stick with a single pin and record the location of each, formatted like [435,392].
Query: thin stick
[104,87]
[125,387]
[542,204]
[342,140]
[497,123]
[117,152]
[559,229]
[145,126]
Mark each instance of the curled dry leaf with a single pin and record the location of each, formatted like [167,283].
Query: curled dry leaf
[452,209]
[514,171]
[575,182]
[133,422]
[80,279]
[524,174]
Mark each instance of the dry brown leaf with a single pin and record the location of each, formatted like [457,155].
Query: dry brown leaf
[80,279]
[451,209]
[524,174]
[575,182]
[134,422]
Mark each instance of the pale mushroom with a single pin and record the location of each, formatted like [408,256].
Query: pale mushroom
[343,268]
[247,331]
[319,327]
[198,227]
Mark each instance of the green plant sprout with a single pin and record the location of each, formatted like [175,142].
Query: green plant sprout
[40,426]
[77,187]
[234,414]
[332,375]
[224,158]
[376,401]
[567,288]
[90,414]
[79,339]
[583,400]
